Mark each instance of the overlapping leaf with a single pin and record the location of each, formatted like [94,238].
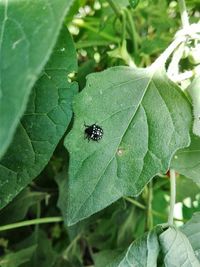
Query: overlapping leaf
[143,127]
[46,118]
[187,161]
[177,250]
[192,230]
[28,32]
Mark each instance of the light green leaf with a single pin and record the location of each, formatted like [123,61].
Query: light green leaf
[192,230]
[141,253]
[15,259]
[46,119]
[142,126]
[187,161]
[177,250]
[194,92]
[28,32]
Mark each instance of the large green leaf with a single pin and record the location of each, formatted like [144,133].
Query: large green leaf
[187,161]
[28,32]
[177,250]
[46,118]
[142,126]
[192,230]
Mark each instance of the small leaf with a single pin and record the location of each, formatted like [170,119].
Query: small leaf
[133,3]
[192,230]
[28,30]
[15,259]
[46,119]
[186,188]
[177,250]
[18,208]
[187,161]
[44,255]
[142,129]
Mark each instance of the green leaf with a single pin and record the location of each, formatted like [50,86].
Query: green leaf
[142,129]
[108,258]
[192,230]
[46,118]
[194,92]
[18,208]
[142,253]
[44,255]
[28,33]
[15,259]
[186,188]
[177,250]
[187,161]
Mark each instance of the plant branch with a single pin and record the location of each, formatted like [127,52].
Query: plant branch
[132,30]
[149,207]
[184,14]
[161,60]
[115,8]
[172,196]
[30,222]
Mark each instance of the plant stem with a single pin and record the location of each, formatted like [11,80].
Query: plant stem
[30,222]
[161,60]
[132,30]
[149,207]
[80,23]
[154,212]
[135,202]
[172,196]
[184,14]
[115,8]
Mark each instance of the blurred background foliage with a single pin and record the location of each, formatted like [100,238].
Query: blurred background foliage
[103,38]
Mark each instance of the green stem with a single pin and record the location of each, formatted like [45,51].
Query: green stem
[154,212]
[30,222]
[115,7]
[123,27]
[135,202]
[132,30]
[184,14]
[80,23]
[149,207]
[161,60]
[172,196]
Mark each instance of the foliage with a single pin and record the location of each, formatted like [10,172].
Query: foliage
[68,201]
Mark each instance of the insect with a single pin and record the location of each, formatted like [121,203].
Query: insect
[93,132]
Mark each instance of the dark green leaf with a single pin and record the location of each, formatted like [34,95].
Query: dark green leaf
[142,129]
[17,209]
[44,255]
[28,31]
[192,230]
[177,250]
[15,259]
[46,118]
